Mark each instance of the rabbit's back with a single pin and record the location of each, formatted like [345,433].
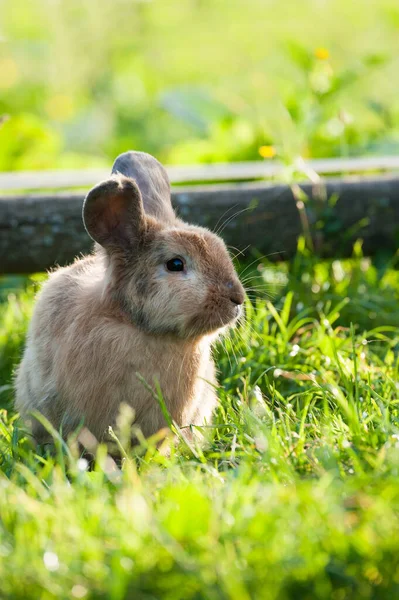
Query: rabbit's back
[56,308]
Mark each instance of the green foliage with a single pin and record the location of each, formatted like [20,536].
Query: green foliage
[196,80]
[296,493]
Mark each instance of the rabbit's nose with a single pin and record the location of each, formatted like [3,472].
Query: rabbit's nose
[237,299]
[236,293]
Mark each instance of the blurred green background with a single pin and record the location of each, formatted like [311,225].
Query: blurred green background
[196,80]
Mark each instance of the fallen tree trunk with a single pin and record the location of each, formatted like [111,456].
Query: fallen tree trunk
[40,231]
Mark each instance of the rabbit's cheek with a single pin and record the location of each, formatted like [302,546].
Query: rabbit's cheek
[173,305]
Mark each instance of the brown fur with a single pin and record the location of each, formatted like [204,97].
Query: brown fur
[119,312]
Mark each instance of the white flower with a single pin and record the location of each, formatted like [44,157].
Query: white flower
[51,561]
[82,464]
[295,350]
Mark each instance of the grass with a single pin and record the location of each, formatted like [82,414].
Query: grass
[296,494]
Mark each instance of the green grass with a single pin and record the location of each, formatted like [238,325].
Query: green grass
[296,495]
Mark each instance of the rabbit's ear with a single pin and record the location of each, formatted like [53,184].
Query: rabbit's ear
[113,213]
[152,180]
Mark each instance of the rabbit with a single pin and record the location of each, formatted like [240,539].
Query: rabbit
[144,309]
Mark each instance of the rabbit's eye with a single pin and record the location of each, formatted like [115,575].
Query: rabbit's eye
[175,264]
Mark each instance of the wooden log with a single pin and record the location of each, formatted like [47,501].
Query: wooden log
[40,231]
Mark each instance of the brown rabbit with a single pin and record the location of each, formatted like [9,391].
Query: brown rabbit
[150,300]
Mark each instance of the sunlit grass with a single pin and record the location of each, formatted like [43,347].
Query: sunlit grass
[296,494]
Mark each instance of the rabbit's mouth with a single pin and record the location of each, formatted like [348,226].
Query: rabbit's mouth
[232,315]
[223,309]
[210,321]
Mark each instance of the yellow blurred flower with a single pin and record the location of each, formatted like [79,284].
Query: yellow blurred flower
[9,73]
[322,53]
[60,107]
[267,151]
